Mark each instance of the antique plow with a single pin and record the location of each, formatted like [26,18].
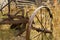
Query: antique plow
[37,26]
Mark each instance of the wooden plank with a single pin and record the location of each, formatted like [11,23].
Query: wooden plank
[7,21]
[26,2]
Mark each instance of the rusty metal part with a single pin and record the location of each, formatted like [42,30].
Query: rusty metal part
[20,20]
[41,30]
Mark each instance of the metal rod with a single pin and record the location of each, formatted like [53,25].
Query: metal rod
[9,10]
[5,5]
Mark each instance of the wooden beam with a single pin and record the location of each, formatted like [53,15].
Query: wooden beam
[8,21]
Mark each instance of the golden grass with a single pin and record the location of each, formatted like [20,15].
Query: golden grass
[56,22]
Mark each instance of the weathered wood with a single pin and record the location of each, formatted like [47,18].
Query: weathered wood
[25,1]
[8,21]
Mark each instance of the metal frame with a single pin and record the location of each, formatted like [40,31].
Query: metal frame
[24,20]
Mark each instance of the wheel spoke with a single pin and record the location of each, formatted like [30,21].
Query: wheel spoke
[36,35]
[48,37]
[42,36]
[40,22]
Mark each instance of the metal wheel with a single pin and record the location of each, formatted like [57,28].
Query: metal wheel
[40,25]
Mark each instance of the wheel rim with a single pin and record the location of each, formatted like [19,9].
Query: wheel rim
[41,24]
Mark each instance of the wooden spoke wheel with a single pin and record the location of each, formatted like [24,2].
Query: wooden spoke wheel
[40,25]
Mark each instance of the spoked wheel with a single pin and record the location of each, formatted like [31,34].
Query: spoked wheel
[40,25]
